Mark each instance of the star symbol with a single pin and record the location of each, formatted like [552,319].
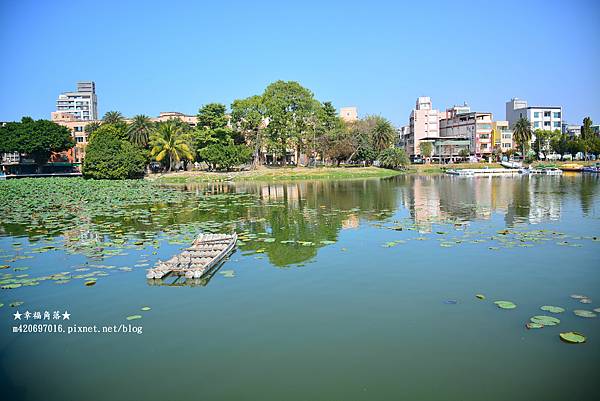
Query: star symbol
[17,316]
[66,316]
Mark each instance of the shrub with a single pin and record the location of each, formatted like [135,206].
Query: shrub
[108,157]
[393,158]
[225,156]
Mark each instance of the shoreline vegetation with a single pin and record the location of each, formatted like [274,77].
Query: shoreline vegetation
[266,174]
[270,174]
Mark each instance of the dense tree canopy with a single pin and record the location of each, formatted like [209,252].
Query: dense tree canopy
[37,138]
[110,157]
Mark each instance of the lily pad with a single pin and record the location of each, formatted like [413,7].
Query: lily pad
[480,296]
[545,320]
[505,304]
[597,310]
[133,317]
[11,286]
[578,296]
[90,283]
[552,309]
[572,337]
[585,301]
[146,308]
[584,313]
[532,325]
[15,304]
[228,273]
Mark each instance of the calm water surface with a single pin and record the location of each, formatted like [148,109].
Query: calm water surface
[342,290]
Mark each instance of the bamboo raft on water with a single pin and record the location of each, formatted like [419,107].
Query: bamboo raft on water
[205,253]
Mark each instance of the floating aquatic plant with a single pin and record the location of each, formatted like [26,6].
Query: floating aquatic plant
[584,313]
[133,317]
[545,320]
[572,337]
[505,304]
[552,309]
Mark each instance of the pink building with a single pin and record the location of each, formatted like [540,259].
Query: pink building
[424,123]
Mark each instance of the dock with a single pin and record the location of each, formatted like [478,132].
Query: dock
[199,259]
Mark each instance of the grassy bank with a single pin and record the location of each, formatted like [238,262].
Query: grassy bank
[276,174]
[440,168]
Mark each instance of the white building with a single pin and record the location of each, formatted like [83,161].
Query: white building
[571,130]
[82,104]
[547,118]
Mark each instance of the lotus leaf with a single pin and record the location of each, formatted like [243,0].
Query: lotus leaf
[572,337]
[505,304]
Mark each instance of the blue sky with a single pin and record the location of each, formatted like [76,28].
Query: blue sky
[150,56]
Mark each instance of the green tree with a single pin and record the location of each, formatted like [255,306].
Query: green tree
[586,128]
[393,158]
[109,157]
[226,156]
[170,144]
[463,153]
[248,119]
[383,134]
[91,127]
[113,117]
[522,134]
[139,130]
[39,139]
[290,109]
[212,116]
[426,149]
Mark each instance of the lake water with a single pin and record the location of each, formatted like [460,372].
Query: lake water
[341,290]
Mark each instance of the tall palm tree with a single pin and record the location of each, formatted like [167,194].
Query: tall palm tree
[139,130]
[113,117]
[169,142]
[522,133]
[383,134]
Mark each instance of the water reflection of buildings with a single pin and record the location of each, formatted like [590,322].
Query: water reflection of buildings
[432,199]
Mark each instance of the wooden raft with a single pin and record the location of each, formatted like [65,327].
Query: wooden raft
[205,253]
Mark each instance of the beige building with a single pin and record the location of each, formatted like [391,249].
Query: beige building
[424,123]
[349,114]
[167,115]
[502,135]
[459,121]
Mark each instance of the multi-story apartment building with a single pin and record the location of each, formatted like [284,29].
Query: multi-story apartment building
[547,118]
[349,114]
[502,135]
[424,123]
[571,130]
[459,121]
[82,104]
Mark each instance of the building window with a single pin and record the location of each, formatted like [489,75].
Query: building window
[546,114]
[536,114]
[536,124]
[556,124]
[79,128]
[484,126]
[546,123]
[557,114]
[506,145]
[79,139]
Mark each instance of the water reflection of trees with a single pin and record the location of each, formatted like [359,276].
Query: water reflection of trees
[300,216]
